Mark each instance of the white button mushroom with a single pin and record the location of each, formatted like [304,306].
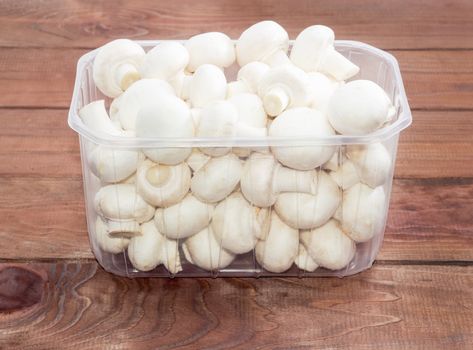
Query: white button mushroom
[235,88]
[372,162]
[95,117]
[302,122]
[170,118]
[183,219]
[251,113]
[304,261]
[313,50]
[346,175]
[283,87]
[105,242]
[113,165]
[276,253]
[220,119]
[217,178]
[116,66]
[151,249]
[197,160]
[250,109]
[237,224]
[248,78]
[208,84]
[163,185]
[263,178]
[122,202]
[167,61]
[203,250]
[261,42]
[363,212]
[328,246]
[306,211]
[108,164]
[332,163]
[139,94]
[359,107]
[213,48]
[323,88]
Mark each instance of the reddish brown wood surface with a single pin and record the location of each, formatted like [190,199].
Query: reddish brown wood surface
[82,306]
[417,296]
[389,24]
[440,80]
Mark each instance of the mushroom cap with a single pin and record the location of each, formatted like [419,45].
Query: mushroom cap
[304,261]
[144,250]
[251,74]
[359,107]
[95,117]
[165,61]
[183,219]
[213,48]
[105,242]
[139,94]
[260,41]
[217,178]
[323,88]
[203,250]
[108,61]
[197,160]
[292,80]
[236,224]
[257,179]
[163,185]
[208,84]
[122,202]
[218,120]
[113,165]
[328,246]
[372,163]
[276,253]
[346,175]
[250,109]
[302,122]
[171,117]
[363,212]
[236,87]
[306,211]
[309,47]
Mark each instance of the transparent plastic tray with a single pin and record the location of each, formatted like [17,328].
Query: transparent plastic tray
[375,65]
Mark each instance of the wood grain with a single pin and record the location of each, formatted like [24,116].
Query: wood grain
[389,24]
[39,143]
[45,218]
[388,307]
[45,78]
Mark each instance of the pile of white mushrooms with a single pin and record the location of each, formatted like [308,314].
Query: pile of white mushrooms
[304,205]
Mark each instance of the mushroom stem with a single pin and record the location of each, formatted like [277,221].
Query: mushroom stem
[181,84]
[125,75]
[337,65]
[290,180]
[275,101]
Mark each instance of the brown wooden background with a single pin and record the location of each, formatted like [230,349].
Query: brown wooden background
[418,295]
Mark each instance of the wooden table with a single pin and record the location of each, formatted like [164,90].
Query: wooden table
[419,293]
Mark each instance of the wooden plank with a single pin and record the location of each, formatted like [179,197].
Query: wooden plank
[38,143]
[45,218]
[70,305]
[437,144]
[45,77]
[390,24]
